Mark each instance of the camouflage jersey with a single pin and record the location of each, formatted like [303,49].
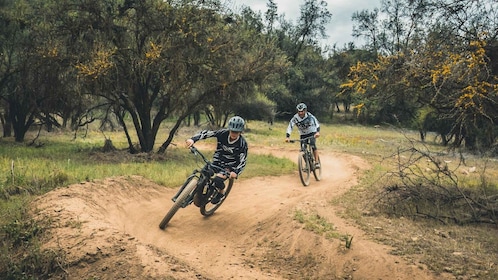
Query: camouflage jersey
[307,126]
[231,155]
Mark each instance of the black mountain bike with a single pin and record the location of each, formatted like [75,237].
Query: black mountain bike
[306,162]
[198,189]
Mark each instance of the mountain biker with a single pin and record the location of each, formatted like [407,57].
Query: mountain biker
[307,125]
[231,152]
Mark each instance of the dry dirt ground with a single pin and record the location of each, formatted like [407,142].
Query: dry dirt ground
[108,229]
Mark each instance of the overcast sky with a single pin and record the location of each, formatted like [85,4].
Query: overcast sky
[340,27]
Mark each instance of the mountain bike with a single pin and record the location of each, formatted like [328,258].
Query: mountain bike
[199,189]
[306,162]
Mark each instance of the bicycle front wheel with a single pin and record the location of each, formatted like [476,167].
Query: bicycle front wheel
[317,171]
[304,168]
[189,188]
[208,208]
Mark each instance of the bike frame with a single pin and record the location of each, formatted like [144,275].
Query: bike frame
[204,179]
[306,148]
[198,189]
[201,179]
[306,161]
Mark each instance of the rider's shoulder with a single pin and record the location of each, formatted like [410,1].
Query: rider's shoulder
[311,115]
[243,141]
[222,131]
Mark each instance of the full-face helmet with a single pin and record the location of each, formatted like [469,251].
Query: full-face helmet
[301,107]
[236,124]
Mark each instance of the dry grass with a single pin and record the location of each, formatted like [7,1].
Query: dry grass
[466,251]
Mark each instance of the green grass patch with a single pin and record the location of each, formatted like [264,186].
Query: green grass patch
[317,224]
[63,159]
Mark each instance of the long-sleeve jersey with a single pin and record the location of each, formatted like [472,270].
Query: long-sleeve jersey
[306,125]
[231,155]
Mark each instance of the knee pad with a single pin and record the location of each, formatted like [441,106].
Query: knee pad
[219,182]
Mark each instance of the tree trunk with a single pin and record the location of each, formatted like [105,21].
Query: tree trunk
[6,124]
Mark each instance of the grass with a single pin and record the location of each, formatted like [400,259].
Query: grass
[80,160]
[319,225]
[465,251]
[26,172]
[60,160]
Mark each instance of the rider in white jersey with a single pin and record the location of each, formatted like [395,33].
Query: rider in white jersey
[307,125]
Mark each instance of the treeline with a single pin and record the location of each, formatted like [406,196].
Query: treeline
[428,65]
[435,70]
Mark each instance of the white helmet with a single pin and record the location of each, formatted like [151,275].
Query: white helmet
[236,124]
[301,107]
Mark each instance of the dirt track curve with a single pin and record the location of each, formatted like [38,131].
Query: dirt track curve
[108,229]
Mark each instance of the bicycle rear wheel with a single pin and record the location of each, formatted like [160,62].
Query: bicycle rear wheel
[189,188]
[304,169]
[208,208]
[317,171]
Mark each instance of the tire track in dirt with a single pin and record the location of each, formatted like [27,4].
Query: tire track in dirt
[252,236]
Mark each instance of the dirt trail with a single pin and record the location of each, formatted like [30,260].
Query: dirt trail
[109,230]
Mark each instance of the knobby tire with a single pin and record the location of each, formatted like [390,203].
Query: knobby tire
[207,209]
[189,188]
[304,169]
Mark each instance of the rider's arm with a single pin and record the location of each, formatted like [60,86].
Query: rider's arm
[206,134]
[317,133]
[314,121]
[201,135]
[241,160]
[289,129]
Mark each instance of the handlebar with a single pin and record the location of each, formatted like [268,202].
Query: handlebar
[195,151]
[216,168]
[300,140]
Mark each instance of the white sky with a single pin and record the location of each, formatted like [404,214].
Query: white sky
[340,27]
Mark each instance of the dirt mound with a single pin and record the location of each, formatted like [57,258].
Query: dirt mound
[108,229]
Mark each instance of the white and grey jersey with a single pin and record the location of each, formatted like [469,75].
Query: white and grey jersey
[306,125]
[231,155]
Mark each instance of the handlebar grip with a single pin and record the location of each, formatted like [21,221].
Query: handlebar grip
[193,150]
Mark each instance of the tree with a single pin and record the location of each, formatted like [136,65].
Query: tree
[38,82]
[366,25]
[339,65]
[271,16]
[472,95]
[392,28]
[23,66]
[311,25]
[381,91]
[8,31]
[441,72]
[171,61]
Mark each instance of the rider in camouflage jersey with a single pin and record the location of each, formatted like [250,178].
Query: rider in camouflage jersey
[231,151]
